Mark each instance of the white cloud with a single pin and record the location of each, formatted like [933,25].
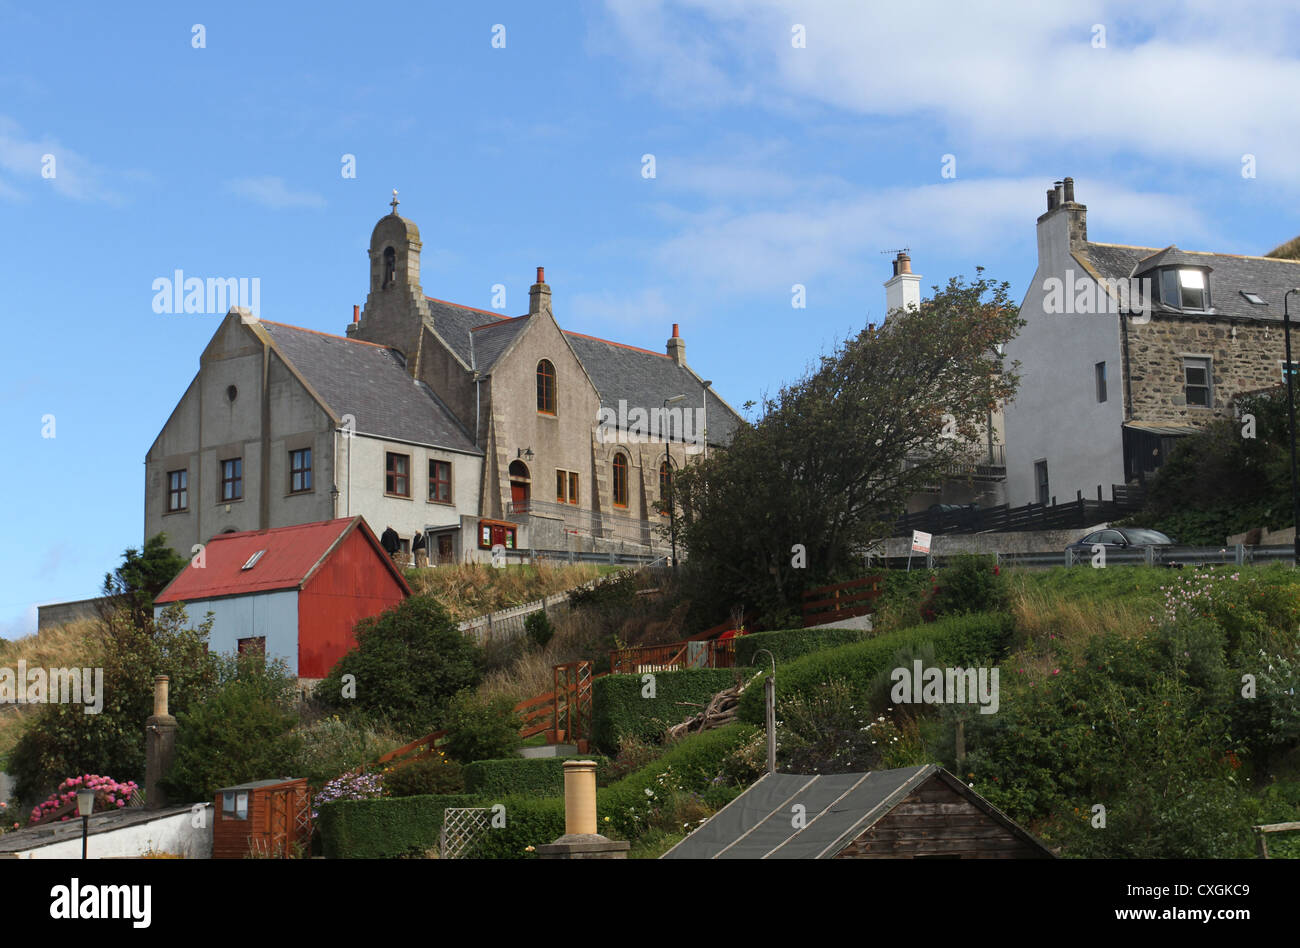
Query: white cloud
[271,191]
[22,160]
[1174,82]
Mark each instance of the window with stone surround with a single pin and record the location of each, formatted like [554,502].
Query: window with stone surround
[232,479]
[178,494]
[1196,382]
[300,471]
[397,474]
[546,387]
[440,482]
[620,480]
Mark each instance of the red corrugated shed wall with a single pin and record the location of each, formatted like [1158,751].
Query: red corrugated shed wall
[351,584]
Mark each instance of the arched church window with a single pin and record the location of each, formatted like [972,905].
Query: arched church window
[546,387]
[390,266]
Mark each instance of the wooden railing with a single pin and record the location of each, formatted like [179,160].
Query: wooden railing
[841,601]
[1077,513]
[690,653]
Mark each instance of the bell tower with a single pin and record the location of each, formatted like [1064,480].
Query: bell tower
[395,309]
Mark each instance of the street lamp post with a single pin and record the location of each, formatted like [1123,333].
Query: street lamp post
[668,461]
[85,804]
[1290,417]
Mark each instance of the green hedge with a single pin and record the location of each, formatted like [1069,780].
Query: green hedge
[618,710]
[956,640]
[543,776]
[791,643]
[695,761]
[386,827]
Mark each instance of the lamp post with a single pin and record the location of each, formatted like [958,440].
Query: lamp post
[769,710]
[1290,418]
[704,403]
[85,804]
[672,507]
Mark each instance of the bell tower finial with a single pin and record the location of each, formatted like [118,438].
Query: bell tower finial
[394,202]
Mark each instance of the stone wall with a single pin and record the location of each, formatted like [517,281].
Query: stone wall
[1245,356]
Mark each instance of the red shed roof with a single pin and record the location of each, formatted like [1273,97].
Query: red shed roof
[289,557]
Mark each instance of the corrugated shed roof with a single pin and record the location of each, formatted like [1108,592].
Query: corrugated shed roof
[1230,276]
[760,824]
[289,556]
[370,383]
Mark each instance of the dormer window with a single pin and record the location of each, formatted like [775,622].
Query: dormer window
[1184,288]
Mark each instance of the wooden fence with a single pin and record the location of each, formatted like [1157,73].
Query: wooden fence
[841,601]
[972,518]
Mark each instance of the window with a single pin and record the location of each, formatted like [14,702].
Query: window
[546,387]
[1040,482]
[390,266]
[252,560]
[440,482]
[234,804]
[620,480]
[178,494]
[1184,289]
[300,470]
[397,474]
[1254,299]
[665,483]
[255,645]
[1099,370]
[1196,381]
[232,479]
[566,487]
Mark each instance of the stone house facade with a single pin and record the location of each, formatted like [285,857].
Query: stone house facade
[1127,349]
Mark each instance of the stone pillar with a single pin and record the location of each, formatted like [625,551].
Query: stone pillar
[159,745]
[580,839]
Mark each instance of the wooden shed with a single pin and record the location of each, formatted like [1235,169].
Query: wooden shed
[909,813]
[262,818]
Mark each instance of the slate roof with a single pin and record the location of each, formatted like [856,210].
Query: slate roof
[638,376]
[1230,276]
[290,556]
[370,383]
[838,809]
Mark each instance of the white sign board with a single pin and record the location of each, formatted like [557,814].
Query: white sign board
[920,542]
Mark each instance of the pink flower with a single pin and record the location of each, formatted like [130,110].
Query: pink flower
[121,803]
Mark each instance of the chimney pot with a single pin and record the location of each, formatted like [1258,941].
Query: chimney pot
[160,695]
[541,274]
[1069,190]
[675,333]
[904,263]
[356,313]
[579,797]
[1051,199]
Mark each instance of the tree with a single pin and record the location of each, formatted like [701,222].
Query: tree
[408,663]
[143,575]
[833,458]
[63,739]
[242,732]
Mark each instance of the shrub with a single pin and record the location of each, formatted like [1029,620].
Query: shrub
[970,583]
[539,628]
[349,786]
[433,776]
[385,828]
[241,733]
[829,730]
[332,745]
[409,662]
[633,754]
[481,728]
[957,640]
[529,822]
[620,709]
[543,776]
[109,795]
[791,643]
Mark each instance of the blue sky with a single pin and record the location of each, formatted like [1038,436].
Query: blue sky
[774,165]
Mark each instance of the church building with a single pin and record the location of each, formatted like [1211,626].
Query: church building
[458,426]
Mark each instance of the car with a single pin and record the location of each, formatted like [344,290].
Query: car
[1114,539]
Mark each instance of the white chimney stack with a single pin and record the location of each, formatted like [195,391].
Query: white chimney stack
[903,289]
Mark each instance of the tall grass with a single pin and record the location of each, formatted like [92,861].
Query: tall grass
[472,589]
[59,646]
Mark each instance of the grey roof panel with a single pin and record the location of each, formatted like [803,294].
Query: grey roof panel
[492,340]
[864,801]
[1230,275]
[370,383]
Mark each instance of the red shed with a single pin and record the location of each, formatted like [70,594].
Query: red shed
[291,592]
